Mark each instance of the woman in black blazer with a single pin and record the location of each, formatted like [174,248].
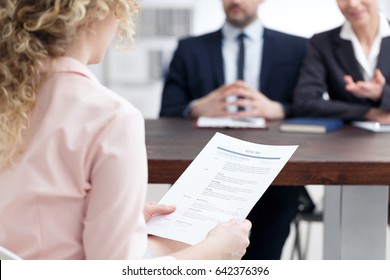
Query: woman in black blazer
[346,73]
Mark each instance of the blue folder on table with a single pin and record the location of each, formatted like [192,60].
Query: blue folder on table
[311,125]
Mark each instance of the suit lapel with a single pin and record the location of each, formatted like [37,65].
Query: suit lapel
[216,57]
[346,56]
[266,59]
[384,56]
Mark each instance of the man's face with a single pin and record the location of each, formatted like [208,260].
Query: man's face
[241,13]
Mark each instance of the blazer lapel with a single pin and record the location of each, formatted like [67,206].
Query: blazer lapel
[266,58]
[216,57]
[384,56]
[345,54]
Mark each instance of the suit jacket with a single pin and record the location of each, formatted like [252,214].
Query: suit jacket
[197,69]
[329,59]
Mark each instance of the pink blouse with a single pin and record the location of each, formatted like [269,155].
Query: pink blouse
[78,190]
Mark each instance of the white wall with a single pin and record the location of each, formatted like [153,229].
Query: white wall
[300,17]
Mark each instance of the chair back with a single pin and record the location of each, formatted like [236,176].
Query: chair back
[6,254]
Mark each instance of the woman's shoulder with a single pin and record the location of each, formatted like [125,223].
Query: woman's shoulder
[70,94]
[328,34]
[326,40]
[74,82]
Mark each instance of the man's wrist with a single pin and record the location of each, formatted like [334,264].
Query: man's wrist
[193,112]
[285,110]
[188,109]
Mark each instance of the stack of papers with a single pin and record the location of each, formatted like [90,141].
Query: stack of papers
[222,183]
[231,122]
[372,126]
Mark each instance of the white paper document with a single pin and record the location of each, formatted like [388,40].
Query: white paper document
[372,126]
[231,122]
[223,182]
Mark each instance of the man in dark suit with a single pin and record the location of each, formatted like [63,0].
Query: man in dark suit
[205,79]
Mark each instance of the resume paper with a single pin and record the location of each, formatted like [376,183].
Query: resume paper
[223,182]
[231,122]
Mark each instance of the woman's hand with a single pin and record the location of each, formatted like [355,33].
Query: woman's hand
[226,241]
[378,115]
[229,240]
[151,209]
[372,90]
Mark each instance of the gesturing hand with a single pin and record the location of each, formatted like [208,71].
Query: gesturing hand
[372,89]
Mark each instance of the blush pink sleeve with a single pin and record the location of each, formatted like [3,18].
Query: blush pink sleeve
[114,226]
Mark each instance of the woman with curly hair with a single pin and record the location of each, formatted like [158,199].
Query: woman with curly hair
[73,168]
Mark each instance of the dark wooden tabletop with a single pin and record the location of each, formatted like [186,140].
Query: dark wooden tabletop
[348,156]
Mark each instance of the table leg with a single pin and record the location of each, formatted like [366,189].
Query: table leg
[355,221]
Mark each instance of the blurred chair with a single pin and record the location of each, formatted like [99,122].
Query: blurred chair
[6,254]
[306,212]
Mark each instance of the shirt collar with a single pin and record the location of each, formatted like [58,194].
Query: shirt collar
[70,65]
[252,31]
[347,32]
[367,62]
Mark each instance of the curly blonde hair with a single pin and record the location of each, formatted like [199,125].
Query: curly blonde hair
[33,31]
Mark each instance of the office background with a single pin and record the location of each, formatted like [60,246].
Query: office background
[137,74]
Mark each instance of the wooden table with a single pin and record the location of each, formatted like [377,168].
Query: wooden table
[346,159]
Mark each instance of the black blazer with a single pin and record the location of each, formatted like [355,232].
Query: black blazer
[328,60]
[197,69]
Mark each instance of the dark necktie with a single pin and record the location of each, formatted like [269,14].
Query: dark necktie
[241,56]
[241,62]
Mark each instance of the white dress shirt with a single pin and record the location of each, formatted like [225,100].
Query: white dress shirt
[367,63]
[253,52]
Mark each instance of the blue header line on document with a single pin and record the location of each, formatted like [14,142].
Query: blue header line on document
[245,155]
